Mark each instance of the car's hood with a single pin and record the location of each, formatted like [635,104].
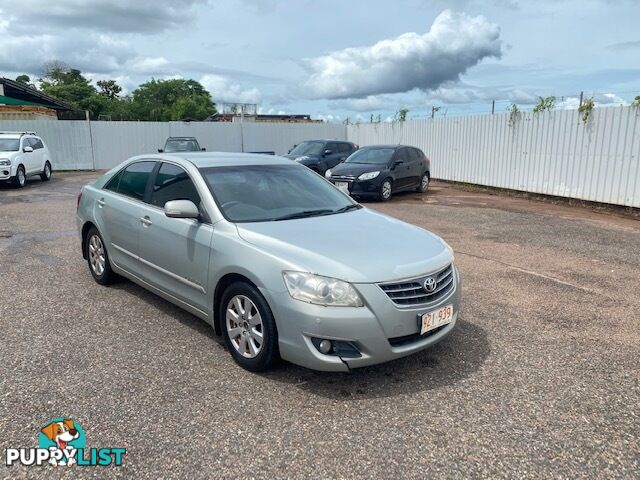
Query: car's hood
[356,169]
[361,246]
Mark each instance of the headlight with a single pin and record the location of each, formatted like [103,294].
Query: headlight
[326,291]
[327,174]
[368,176]
[5,162]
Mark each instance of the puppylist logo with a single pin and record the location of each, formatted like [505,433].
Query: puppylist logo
[62,442]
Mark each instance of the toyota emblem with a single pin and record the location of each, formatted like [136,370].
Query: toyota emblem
[429,284]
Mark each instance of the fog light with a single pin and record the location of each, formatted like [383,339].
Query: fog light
[325,346]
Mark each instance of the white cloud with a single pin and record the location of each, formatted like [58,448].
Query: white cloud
[223,90]
[454,43]
[149,65]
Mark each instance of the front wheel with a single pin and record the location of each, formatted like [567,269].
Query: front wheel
[45,176]
[385,190]
[20,180]
[424,184]
[248,327]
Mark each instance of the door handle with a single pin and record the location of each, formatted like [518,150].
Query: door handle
[146,221]
[100,203]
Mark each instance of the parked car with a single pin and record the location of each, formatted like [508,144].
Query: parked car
[23,155]
[181,144]
[381,170]
[319,155]
[273,257]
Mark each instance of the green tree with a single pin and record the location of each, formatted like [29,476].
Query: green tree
[25,80]
[68,85]
[109,88]
[177,99]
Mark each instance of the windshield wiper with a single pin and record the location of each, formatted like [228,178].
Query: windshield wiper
[304,214]
[346,208]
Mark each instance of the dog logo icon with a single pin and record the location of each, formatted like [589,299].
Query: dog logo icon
[65,435]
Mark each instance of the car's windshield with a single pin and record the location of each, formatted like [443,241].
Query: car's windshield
[308,148]
[260,193]
[375,156]
[181,145]
[9,144]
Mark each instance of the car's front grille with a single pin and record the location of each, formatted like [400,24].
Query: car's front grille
[417,292]
[343,178]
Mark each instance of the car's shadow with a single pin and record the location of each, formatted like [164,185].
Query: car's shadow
[456,357]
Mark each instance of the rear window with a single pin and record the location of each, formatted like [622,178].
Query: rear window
[132,181]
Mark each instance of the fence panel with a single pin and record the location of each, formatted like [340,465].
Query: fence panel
[552,153]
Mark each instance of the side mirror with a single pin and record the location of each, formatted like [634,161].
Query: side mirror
[398,162]
[181,209]
[27,149]
[327,152]
[203,149]
[160,150]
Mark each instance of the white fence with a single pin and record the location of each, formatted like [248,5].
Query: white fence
[81,145]
[552,153]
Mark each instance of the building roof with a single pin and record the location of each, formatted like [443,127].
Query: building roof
[16,93]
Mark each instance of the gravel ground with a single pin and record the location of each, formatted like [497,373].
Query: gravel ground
[540,379]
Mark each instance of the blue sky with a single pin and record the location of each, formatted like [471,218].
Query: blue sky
[338,59]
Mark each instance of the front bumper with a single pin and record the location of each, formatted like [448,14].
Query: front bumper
[362,187]
[371,329]
[6,172]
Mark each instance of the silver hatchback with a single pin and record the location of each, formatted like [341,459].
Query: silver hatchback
[280,262]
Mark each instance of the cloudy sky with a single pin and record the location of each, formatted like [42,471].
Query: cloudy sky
[341,58]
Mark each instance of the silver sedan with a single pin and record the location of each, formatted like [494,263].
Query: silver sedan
[276,259]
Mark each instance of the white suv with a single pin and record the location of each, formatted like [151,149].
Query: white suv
[23,154]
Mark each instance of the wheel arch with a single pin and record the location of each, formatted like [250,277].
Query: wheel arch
[221,286]
[85,230]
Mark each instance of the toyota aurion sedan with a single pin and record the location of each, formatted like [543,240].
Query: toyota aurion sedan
[278,260]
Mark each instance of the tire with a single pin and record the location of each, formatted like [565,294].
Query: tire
[240,305]
[424,184]
[20,180]
[45,176]
[385,190]
[98,258]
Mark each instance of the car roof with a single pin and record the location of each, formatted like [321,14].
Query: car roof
[384,146]
[325,140]
[181,138]
[221,159]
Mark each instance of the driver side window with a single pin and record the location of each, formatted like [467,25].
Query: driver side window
[173,183]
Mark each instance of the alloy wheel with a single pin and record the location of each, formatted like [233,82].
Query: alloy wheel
[424,184]
[47,170]
[96,255]
[244,326]
[386,189]
[22,179]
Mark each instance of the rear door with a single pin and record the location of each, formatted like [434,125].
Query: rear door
[402,171]
[174,252]
[119,211]
[416,166]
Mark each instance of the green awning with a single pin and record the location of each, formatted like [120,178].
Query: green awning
[16,101]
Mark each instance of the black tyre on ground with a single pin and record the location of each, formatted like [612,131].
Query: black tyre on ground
[98,258]
[248,327]
[385,190]
[45,176]
[424,184]
[20,180]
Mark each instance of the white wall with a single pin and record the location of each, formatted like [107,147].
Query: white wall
[551,153]
[78,145]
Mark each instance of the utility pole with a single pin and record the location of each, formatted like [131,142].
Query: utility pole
[581,97]
[493,107]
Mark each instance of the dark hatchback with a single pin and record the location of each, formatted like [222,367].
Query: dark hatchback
[320,155]
[380,170]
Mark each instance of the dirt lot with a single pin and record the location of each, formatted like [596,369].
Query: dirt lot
[540,379]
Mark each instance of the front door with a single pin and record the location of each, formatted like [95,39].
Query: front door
[402,170]
[174,252]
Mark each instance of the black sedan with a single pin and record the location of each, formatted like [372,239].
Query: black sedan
[380,170]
